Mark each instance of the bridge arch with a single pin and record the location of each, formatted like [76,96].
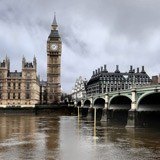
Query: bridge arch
[79,104]
[87,103]
[149,102]
[118,108]
[99,103]
[148,107]
[85,108]
[120,102]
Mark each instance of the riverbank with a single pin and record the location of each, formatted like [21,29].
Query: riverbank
[38,109]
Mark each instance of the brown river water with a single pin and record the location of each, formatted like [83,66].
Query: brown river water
[67,138]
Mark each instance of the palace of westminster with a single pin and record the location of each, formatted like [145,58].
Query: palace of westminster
[24,89]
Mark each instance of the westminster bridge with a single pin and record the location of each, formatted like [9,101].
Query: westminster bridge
[133,107]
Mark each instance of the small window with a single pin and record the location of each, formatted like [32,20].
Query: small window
[9,85]
[27,85]
[19,85]
[19,95]
[27,95]
[14,95]
[50,96]
[28,75]
[1,85]
[14,85]
[8,95]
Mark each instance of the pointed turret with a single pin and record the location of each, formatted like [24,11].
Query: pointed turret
[54,23]
[34,59]
[6,58]
[54,28]
[54,20]
[35,62]
[23,61]
[7,61]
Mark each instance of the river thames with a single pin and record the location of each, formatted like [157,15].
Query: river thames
[67,138]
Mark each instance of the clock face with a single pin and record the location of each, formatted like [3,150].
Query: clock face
[54,47]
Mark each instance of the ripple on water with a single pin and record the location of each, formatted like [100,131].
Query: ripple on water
[11,143]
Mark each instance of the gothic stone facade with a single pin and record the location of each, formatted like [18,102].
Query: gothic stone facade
[79,90]
[24,88]
[19,89]
[54,50]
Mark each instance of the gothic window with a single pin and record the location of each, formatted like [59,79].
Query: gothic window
[8,95]
[14,95]
[27,85]
[1,85]
[1,75]
[19,96]
[50,96]
[19,85]
[9,85]
[0,95]
[14,85]
[28,75]
[27,95]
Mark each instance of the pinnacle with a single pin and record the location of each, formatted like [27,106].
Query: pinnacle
[54,20]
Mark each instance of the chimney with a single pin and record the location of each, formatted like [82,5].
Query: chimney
[137,70]
[105,68]
[133,70]
[117,67]
[143,71]
[93,73]
[98,70]
[101,69]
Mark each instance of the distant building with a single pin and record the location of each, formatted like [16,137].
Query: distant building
[19,88]
[43,92]
[79,90]
[156,79]
[103,81]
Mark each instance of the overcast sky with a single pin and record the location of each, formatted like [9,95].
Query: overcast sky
[94,33]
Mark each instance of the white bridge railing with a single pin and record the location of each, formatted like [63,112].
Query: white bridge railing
[139,88]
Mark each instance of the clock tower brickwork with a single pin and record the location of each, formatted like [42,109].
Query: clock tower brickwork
[54,50]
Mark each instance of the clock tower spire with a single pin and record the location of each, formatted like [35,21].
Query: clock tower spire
[54,50]
[54,23]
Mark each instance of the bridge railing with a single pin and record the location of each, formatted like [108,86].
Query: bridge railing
[123,90]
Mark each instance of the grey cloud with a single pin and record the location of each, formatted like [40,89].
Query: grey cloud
[94,32]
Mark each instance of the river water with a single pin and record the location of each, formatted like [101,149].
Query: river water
[67,138]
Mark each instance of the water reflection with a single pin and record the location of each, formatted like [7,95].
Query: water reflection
[28,137]
[70,138]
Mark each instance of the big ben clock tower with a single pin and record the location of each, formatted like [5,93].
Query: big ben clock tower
[54,50]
